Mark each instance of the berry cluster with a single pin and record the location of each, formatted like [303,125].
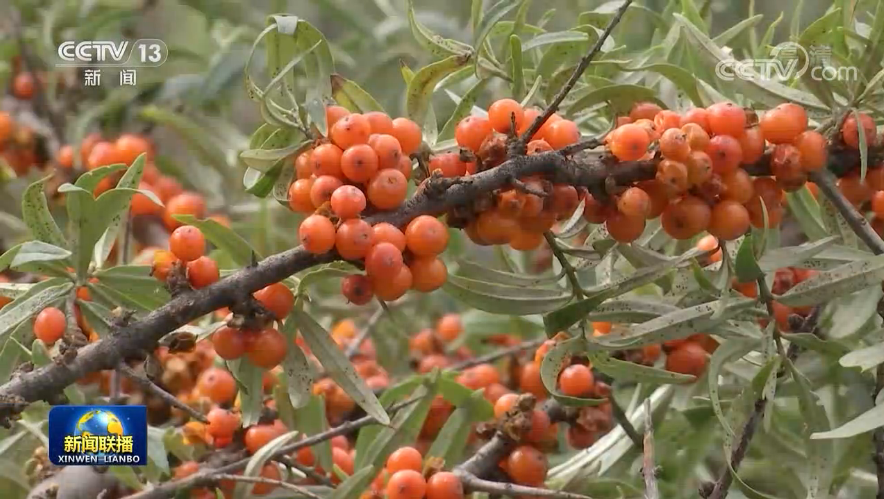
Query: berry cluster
[18,145]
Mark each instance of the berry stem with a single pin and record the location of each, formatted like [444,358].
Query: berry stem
[152,387]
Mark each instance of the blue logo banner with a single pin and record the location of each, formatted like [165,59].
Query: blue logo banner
[98,435]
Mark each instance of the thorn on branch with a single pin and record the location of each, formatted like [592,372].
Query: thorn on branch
[527,189]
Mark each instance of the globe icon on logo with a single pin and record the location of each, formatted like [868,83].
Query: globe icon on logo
[100,423]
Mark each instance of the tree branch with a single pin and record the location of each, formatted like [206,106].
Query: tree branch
[497,354]
[858,223]
[268,481]
[167,397]
[620,415]
[353,347]
[476,484]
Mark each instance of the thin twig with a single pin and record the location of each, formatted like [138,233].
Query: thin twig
[649,467]
[582,146]
[476,484]
[353,347]
[621,417]
[268,481]
[167,397]
[497,354]
[569,269]
[575,76]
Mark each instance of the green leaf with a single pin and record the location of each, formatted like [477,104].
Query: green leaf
[745,265]
[690,12]
[31,303]
[97,316]
[682,78]
[820,453]
[338,366]
[421,87]
[38,251]
[435,44]
[736,30]
[504,299]
[355,484]
[490,17]
[156,448]
[865,422]
[350,95]
[311,420]
[463,109]
[40,355]
[622,370]
[452,439]
[194,135]
[553,363]
[127,476]
[135,282]
[258,459]
[622,96]
[517,70]
[840,281]
[251,389]
[14,289]
[865,358]
[793,255]
[264,160]
[477,271]
[863,148]
[328,271]
[726,352]
[36,215]
[298,373]
[224,239]
[13,352]
[130,180]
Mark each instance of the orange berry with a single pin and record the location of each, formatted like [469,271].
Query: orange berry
[689,358]
[674,144]
[202,272]
[576,380]
[408,133]
[186,469]
[444,485]
[624,228]
[167,188]
[502,112]
[387,189]
[130,146]
[699,168]
[538,146]
[673,175]
[317,234]
[697,116]
[737,186]
[448,164]
[380,123]
[752,145]
[259,435]
[726,118]
[187,243]
[64,158]
[696,135]
[666,120]
[449,327]
[524,240]
[564,200]
[217,384]
[812,150]
[530,381]
[406,484]
[229,343]
[186,203]
[7,126]
[347,201]
[644,111]
[323,188]
[304,165]
[383,260]
[222,423]
[353,239]
[23,86]
[540,426]
[495,228]
[527,466]
[561,134]
[855,191]
[267,348]
[729,220]
[357,289]
[384,232]
[426,236]
[850,130]
[270,471]
[163,261]
[785,164]
[504,404]
[326,160]
[630,142]
[428,274]
[277,298]
[359,163]
[687,217]
[334,113]
[782,124]
[353,129]
[405,458]
[299,196]
[726,154]
[472,131]
[143,205]
[395,287]
[388,150]
[50,325]
[634,202]
[530,115]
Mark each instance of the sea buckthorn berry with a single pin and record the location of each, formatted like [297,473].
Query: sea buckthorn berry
[696,135]
[391,289]
[50,325]
[531,114]
[634,202]
[384,232]
[530,381]
[544,129]
[874,178]
[187,243]
[428,274]
[23,85]
[689,358]
[525,240]
[850,130]
[561,134]
[595,212]
[623,228]
[387,189]
[673,175]
[752,145]
[666,120]
[269,471]
[813,150]
[408,133]
[579,438]
[540,427]
[504,404]
[259,435]
[347,201]
[538,146]
[426,236]
[511,202]
[649,127]
[729,220]
[405,458]
[782,124]
[495,228]
[103,154]
[502,112]
[472,131]
[359,163]
[380,123]
[388,150]
[564,200]
[659,195]
[444,485]
[357,289]
[334,113]
[267,348]
[186,203]
[726,118]
[726,154]
[299,196]
[738,186]
[130,146]
[353,239]
[317,234]
[855,191]
[163,262]
[217,384]
[202,272]
[709,243]
[383,260]
[630,142]
[326,160]
[167,188]
[448,164]
[323,188]
[277,298]
[304,165]
[674,144]
[222,423]
[229,343]
[186,469]
[527,466]
[699,166]
[576,380]
[353,129]
[878,204]
[449,327]
[644,111]
[406,484]
[143,205]
[697,116]
[64,158]
[687,217]
[785,164]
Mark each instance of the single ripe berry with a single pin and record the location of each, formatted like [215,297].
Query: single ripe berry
[472,131]
[564,200]
[853,189]
[222,423]
[259,435]
[812,150]
[634,202]
[229,343]
[351,130]
[878,204]
[383,260]
[304,165]
[850,130]
[504,404]
[50,325]
[494,227]
[699,168]
[576,380]
[353,239]
[186,469]
[630,142]
[729,220]
[623,228]
[674,144]
[357,289]
[737,186]
[673,175]
[428,274]
[782,124]
[299,196]
[726,118]
[186,203]
[347,201]
[405,458]
[448,164]
[187,243]
[687,217]
[359,163]
[277,298]
[785,164]
[666,120]
[202,272]
[130,146]
[391,289]
[217,384]
[697,136]
[449,327]
[502,113]
[388,150]
[406,484]
[322,189]
[409,135]
[752,145]
[726,154]
[689,358]
[334,113]
[697,116]
[527,466]
[380,122]
[326,160]
[267,348]
[644,111]
[561,134]
[271,472]
[387,189]
[444,485]
[385,232]
[540,427]
[426,236]
[538,146]
[163,263]
[317,234]
[23,85]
